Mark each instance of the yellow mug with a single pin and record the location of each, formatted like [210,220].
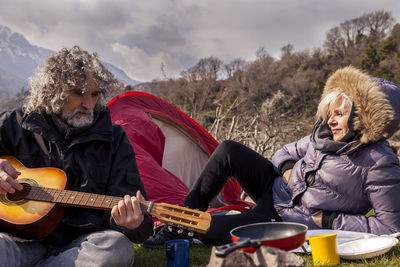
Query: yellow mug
[324,249]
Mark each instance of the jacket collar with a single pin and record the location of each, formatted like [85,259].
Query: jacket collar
[42,124]
[322,140]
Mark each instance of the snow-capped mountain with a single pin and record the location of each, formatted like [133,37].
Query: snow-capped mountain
[19,59]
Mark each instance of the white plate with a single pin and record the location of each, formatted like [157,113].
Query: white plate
[366,248]
[342,237]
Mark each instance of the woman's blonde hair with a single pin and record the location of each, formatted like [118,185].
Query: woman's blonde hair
[62,71]
[325,106]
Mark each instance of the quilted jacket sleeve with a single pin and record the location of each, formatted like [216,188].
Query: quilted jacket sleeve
[291,152]
[383,190]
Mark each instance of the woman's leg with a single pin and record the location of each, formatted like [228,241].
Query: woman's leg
[221,225]
[254,173]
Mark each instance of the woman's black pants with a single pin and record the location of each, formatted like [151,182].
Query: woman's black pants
[255,175]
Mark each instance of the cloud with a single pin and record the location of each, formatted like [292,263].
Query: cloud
[144,66]
[138,36]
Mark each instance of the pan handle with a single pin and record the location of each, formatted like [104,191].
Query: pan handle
[224,250]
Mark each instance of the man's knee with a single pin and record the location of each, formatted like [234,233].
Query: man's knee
[117,248]
[9,252]
[122,243]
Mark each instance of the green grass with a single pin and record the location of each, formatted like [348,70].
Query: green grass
[200,256]
[391,258]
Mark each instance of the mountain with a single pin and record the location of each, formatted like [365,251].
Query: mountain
[19,59]
[8,82]
[120,74]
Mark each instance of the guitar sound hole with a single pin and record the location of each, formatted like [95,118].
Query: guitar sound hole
[19,195]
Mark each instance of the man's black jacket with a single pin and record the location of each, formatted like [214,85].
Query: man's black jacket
[98,160]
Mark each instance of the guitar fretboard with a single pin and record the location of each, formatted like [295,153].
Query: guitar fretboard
[191,219]
[74,198]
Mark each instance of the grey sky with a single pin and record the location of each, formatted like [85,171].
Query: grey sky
[139,35]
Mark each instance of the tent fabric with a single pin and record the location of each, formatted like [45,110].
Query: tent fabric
[171,149]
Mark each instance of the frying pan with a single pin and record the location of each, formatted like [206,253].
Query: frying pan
[283,235]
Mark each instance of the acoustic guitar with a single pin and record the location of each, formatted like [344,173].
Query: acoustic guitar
[36,210]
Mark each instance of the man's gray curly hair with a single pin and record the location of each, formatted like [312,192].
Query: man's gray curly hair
[62,71]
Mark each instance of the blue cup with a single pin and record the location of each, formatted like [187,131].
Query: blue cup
[177,253]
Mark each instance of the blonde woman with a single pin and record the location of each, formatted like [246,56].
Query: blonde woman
[330,179]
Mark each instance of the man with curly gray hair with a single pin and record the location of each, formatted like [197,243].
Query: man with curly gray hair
[65,124]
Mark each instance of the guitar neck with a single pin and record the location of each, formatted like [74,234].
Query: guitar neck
[78,199]
[195,220]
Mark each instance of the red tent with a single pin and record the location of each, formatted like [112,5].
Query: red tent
[171,148]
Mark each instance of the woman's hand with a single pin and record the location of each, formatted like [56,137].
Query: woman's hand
[128,213]
[317,218]
[286,175]
[8,176]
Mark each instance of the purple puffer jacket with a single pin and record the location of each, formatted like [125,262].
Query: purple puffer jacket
[351,181]
[362,175]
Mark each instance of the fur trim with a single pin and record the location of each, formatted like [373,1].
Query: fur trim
[373,111]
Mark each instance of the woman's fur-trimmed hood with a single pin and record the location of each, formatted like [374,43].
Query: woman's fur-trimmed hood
[376,102]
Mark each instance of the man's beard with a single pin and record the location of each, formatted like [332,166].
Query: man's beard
[72,120]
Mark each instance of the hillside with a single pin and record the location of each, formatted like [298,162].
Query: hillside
[268,102]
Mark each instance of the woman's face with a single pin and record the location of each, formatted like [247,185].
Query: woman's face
[337,120]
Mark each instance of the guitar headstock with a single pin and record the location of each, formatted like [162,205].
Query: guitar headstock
[192,220]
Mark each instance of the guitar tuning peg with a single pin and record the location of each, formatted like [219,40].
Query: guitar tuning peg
[190,234]
[180,231]
[170,228]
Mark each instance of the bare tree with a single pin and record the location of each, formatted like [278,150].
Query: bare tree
[379,22]
[205,69]
[287,50]
[264,129]
[233,66]
[261,53]
[351,35]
